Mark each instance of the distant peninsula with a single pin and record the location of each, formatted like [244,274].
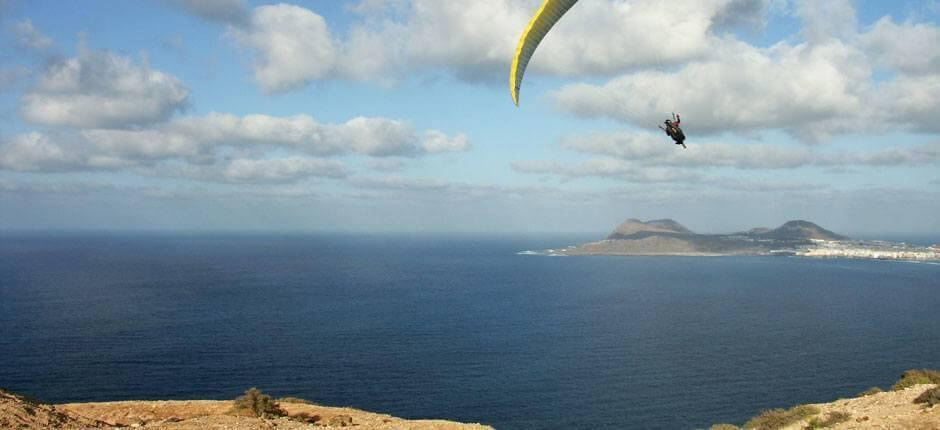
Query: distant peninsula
[793,238]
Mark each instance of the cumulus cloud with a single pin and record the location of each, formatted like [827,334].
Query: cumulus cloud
[232,12]
[205,141]
[909,47]
[826,20]
[292,46]
[740,88]
[749,14]
[910,103]
[370,136]
[645,159]
[35,152]
[27,36]
[813,88]
[102,89]
[435,141]
[825,85]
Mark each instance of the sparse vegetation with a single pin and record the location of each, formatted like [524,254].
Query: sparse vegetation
[870,391]
[931,397]
[914,377]
[293,400]
[724,427]
[306,418]
[340,421]
[258,404]
[832,419]
[778,418]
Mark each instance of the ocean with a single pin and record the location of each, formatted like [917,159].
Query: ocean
[455,327]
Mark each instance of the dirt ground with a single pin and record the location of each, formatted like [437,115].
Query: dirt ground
[17,412]
[885,410]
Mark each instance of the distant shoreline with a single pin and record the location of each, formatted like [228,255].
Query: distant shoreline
[829,250]
[665,237]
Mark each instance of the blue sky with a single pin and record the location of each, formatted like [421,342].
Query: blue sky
[394,115]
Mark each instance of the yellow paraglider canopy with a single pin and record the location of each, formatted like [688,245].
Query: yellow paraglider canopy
[546,17]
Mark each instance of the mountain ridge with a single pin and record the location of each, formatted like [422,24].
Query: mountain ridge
[666,236]
[634,228]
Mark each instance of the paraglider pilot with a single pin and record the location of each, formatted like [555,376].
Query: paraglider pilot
[673,130]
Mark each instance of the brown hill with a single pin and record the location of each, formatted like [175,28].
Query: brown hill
[668,237]
[633,227]
[800,230]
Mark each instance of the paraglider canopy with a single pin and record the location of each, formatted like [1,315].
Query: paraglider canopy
[544,19]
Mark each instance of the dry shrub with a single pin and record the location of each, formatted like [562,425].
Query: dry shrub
[306,418]
[931,397]
[258,404]
[724,427]
[870,391]
[773,419]
[914,377]
[834,418]
[340,421]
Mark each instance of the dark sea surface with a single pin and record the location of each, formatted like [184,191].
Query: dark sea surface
[455,327]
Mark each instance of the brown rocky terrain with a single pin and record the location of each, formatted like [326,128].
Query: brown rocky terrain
[668,237]
[885,410]
[913,403]
[17,412]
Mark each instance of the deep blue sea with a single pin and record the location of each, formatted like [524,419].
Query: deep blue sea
[455,327]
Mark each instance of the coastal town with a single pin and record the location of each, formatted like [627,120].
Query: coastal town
[880,250]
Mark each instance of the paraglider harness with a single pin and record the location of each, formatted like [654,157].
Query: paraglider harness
[673,130]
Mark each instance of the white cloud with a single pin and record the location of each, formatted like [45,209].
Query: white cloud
[27,36]
[292,46]
[435,141]
[825,86]
[370,136]
[739,88]
[822,86]
[281,171]
[35,152]
[910,102]
[102,89]
[823,20]
[909,47]
[231,12]
[644,159]
[205,141]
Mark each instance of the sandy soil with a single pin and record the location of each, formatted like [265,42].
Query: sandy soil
[17,412]
[886,410]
